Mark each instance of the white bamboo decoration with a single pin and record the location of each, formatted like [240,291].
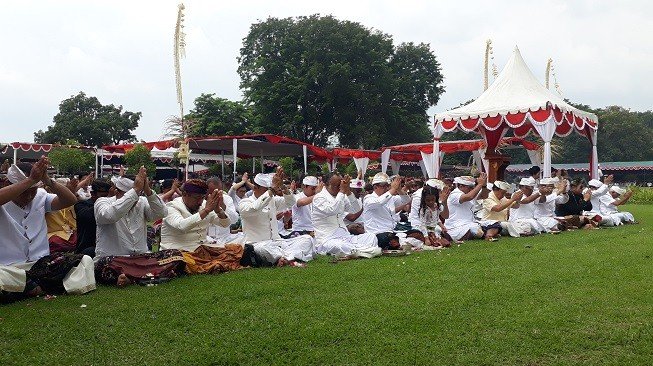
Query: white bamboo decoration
[179,53]
[489,55]
[550,71]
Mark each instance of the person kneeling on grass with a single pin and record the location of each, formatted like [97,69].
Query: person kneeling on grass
[27,267]
[122,255]
[259,218]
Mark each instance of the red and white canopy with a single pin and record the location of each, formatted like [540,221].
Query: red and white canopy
[426,151]
[518,101]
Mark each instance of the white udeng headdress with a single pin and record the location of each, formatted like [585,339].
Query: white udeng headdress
[15,175]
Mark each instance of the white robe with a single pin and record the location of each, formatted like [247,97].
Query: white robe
[331,232]
[461,217]
[259,218]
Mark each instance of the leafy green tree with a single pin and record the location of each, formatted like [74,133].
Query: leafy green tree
[70,160]
[218,116]
[88,121]
[314,77]
[139,156]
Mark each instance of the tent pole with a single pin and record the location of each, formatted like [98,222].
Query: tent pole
[222,164]
[235,151]
[96,163]
[101,163]
[15,155]
[305,153]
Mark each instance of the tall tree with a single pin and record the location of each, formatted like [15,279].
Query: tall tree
[85,119]
[315,77]
[218,116]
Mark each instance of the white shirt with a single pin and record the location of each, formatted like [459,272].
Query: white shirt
[301,216]
[548,207]
[459,213]
[23,231]
[524,211]
[218,231]
[234,197]
[607,205]
[329,213]
[359,219]
[122,223]
[379,212]
[596,194]
[259,216]
[185,231]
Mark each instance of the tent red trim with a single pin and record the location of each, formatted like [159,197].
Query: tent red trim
[461,145]
[203,144]
[123,148]
[26,146]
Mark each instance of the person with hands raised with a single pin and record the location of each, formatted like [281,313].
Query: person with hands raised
[330,206]
[379,209]
[122,219]
[24,241]
[461,223]
[259,219]
[301,210]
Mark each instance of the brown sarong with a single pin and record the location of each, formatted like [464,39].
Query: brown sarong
[140,268]
[207,259]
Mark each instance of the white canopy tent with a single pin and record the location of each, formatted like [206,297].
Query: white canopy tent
[517,100]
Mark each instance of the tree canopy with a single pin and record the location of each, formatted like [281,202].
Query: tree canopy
[314,77]
[139,156]
[86,120]
[71,160]
[218,116]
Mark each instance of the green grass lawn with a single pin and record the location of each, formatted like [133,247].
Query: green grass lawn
[582,297]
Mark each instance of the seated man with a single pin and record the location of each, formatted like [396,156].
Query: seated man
[354,220]
[122,255]
[184,228]
[609,202]
[599,189]
[26,266]
[62,224]
[220,234]
[237,191]
[494,217]
[552,193]
[579,201]
[329,208]
[380,210]
[522,214]
[461,224]
[259,218]
[85,214]
[301,210]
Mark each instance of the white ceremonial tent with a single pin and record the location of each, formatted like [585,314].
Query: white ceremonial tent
[518,101]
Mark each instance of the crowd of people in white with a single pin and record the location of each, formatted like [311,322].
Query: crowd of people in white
[63,235]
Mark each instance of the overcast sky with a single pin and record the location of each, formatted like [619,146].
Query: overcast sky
[121,51]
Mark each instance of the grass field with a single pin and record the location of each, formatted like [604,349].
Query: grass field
[582,297]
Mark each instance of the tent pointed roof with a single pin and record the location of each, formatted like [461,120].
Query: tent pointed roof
[515,90]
